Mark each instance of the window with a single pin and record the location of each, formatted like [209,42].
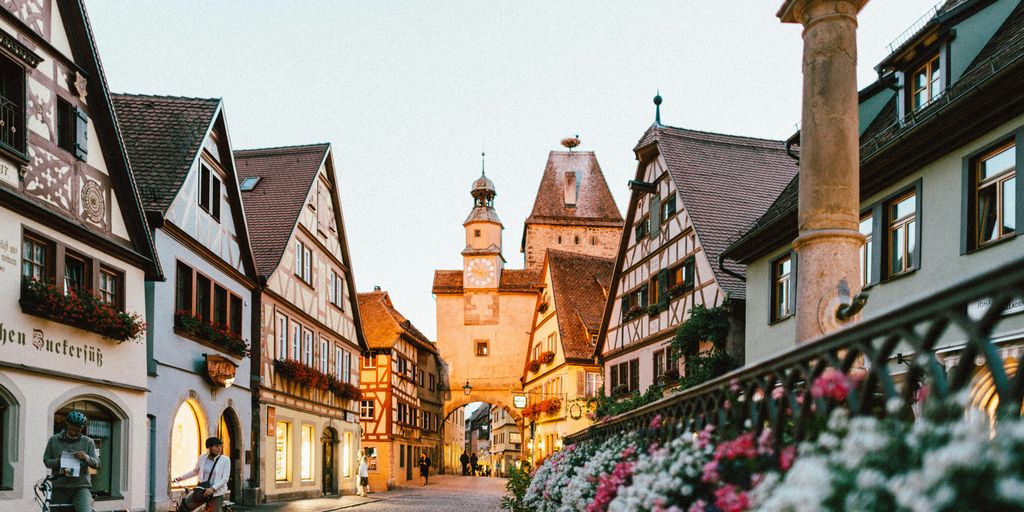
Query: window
[658,289]
[282,337]
[782,288]
[476,233]
[593,240]
[306,455]
[212,302]
[304,262]
[576,240]
[481,348]
[12,105]
[642,228]
[202,305]
[37,256]
[336,290]
[220,305]
[65,125]
[235,321]
[592,384]
[209,191]
[551,342]
[995,197]
[307,348]
[76,273]
[296,337]
[282,455]
[183,287]
[366,409]
[346,456]
[110,286]
[346,366]
[926,84]
[902,233]
[105,428]
[635,299]
[324,354]
[659,364]
[626,376]
[430,386]
[867,228]
[249,183]
[187,439]
[369,362]
[668,208]
[681,278]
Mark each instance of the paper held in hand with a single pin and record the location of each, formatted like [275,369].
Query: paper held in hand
[69,464]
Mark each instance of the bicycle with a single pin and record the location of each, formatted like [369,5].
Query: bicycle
[182,505]
[44,493]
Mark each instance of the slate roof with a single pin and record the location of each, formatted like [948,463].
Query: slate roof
[579,289]
[273,206]
[1004,48]
[725,182]
[162,134]
[383,325]
[512,280]
[594,202]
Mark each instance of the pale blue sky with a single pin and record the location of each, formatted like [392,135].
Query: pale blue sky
[409,92]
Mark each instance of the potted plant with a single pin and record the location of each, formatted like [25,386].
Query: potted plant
[534,366]
[547,357]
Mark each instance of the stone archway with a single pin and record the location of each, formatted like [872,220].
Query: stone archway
[456,403]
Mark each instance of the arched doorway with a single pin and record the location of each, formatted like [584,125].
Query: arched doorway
[105,428]
[328,449]
[983,389]
[228,431]
[188,437]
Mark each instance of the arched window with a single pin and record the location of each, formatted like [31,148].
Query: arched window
[105,428]
[983,389]
[187,436]
[8,429]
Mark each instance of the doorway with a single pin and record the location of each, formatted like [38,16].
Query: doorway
[408,462]
[227,431]
[328,442]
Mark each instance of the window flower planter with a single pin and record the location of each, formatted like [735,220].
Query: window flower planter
[546,357]
[653,309]
[308,377]
[551,405]
[633,312]
[534,366]
[81,310]
[218,335]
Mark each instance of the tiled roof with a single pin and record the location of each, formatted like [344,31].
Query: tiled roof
[725,182]
[272,207]
[162,135]
[579,288]
[512,280]
[1005,47]
[383,324]
[594,203]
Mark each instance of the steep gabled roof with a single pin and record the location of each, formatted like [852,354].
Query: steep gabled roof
[512,280]
[383,325]
[273,206]
[594,203]
[579,289]
[163,135]
[725,182]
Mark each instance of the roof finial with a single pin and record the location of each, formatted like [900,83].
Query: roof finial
[483,168]
[657,108]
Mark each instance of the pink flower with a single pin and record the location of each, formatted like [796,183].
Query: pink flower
[608,485]
[734,386]
[729,499]
[704,436]
[655,422]
[710,473]
[778,393]
[786,457]
[698,506]
[832,385]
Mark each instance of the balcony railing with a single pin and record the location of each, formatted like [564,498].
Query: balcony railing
[10,115]
[894,356]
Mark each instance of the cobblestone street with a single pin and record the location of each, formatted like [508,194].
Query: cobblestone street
[444,494]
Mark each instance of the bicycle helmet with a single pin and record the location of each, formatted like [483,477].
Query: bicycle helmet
[76,418]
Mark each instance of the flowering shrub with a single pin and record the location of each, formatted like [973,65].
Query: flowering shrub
[308,377]
[668,476]
[217,334]
[552,477]
[595,484]
[79,309]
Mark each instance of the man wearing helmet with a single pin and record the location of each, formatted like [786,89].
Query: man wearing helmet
[67,488]
[214,470]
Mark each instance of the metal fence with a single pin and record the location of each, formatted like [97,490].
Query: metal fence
[894,356]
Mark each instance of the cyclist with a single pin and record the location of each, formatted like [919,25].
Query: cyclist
[214,470]
[68,489]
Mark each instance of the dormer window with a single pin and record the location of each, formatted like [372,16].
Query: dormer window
[249,183]
[926,83]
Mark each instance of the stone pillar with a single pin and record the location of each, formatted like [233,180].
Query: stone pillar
[828,244]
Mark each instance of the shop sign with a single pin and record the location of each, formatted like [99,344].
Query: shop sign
[271,421]
[220,370]
[519,401]
[977,309]
[82,352]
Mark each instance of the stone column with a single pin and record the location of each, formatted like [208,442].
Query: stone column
[828,244]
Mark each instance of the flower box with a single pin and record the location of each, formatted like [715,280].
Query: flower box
[216,334]
[653,309]
[633,312]
[551,406]
[308,377]
[542,308]
[546,357]
[678,290]
[534,366]
[79,309]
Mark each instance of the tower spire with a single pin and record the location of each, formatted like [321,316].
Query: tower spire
[483,168]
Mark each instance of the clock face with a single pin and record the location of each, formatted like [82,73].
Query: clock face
[480,272]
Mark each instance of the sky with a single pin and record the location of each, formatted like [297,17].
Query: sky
[409,93]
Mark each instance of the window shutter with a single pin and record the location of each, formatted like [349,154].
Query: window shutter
[639,231]
[581,378]
[644,298]
[793,276]
[663,288]
[689,271]
[81,134]
[655,217]
[298,258]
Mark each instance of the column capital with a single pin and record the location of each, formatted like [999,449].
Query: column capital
[807,11]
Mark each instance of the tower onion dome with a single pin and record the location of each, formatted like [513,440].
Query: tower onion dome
[483,191]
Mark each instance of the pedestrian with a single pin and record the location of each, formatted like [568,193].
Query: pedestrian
[364,476]
[464,459]
[424,467]
[71,481]
[213,469]
[472,464]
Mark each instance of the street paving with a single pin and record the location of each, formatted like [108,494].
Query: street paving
[444,494]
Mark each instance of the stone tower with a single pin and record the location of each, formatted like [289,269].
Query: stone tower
[573,211]
[481,259]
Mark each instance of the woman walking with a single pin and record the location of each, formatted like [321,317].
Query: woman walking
[364,476]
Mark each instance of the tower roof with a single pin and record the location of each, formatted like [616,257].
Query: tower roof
[483,185]
[573,191]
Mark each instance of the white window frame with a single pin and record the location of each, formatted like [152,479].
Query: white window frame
[296,341]
[282,337]
[307,348]
[324,355]
[347,366]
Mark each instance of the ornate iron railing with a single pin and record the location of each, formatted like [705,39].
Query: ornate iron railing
[893,356]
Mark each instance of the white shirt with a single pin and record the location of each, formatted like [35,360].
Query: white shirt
[219,478]
[364,468]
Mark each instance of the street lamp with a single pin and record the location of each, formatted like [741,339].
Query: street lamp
[467,389]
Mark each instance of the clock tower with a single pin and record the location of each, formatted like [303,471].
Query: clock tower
[482,260]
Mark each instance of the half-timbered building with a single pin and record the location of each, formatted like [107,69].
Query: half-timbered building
[200,316]
[692,192]
[310,338]
[73,238]
[399,419]
[560,373]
